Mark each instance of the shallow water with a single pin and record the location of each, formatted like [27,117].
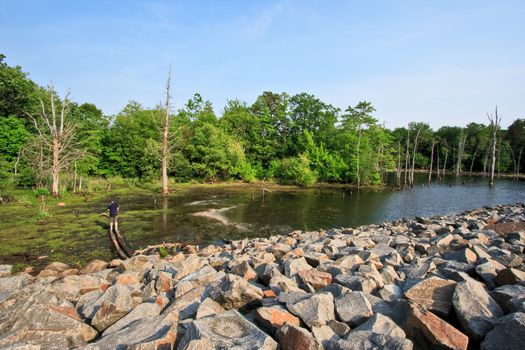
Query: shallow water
[253,214]
[77,233]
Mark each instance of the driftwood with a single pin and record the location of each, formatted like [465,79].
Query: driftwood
[114,241]
[118,242]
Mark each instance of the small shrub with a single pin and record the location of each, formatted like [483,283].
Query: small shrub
[43,217]
[295,170]
[163,252]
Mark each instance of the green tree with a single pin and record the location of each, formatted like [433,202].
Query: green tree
[18,93]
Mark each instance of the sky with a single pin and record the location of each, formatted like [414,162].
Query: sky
[440,62]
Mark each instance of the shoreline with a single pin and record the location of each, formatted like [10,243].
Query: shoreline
[403,284]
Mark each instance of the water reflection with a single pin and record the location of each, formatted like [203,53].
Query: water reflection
[280,212]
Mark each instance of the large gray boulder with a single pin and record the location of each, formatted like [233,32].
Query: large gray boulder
[234,292]
[381,324]
[359,340]
[147,333]
[353,308]
[435,294]
[227,331]
[314,311]
[508,333]
[508,296]
[52,326]
[476,310]
[114,304]
[141,311]
[292,337]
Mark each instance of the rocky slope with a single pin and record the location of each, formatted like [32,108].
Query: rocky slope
[452,282]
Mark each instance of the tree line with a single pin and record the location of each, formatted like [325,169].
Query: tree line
[296,139]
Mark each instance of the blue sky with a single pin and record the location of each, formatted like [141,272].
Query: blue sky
[442,62]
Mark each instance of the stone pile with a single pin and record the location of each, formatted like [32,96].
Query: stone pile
[452,282]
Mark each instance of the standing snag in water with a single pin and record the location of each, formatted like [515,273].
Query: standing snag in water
[495,122]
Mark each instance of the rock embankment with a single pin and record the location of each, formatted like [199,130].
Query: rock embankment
[452,282]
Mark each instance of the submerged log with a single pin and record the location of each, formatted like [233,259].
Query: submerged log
[121,253]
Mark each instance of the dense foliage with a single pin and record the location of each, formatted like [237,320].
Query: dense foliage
[292,139]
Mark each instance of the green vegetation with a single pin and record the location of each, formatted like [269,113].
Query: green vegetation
[296,140]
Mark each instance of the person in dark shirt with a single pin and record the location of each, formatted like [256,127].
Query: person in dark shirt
[113,210]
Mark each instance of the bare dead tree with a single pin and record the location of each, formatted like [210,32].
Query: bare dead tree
[55,137]
[414,158]
[495,122]
[407,155]
[461,150]
[431,161]
[165,138]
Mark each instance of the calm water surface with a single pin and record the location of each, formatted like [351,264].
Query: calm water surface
[156,220]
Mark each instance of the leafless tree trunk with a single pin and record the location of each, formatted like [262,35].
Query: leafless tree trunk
[414,159]
[407,155]
[165,138]
[56,135]
[357,157]
[519,164]
[398,170]
[431,162]
[75,178]
[495,122]
[437,162]
[461,149]
[472,163]
[445,163]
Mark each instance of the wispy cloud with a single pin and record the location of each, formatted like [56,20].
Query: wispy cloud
[255,26]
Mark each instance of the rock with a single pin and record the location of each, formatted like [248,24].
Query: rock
[49,326]
[141,311]
[292,297]
[510,276]
[315,278]
[339,328]
[389,275]
[488,270]
[508,333]
[464,255]
[272,318]
[358,340]
[294,266]
[325,335]
[433,294]
[505,295]
[267,271]
[187,304]
[48,273]
[316,310]
[127,278]
[245,271]
[353,308]
[293,337]
[381,324]
[390,292]
[163,282]
[429,331]
[152,332]
[114,304]
[233,292]
[280,283]
[95,266]
[57,266]
[476,310]
[209,307]
[356,283]
[227,331]
[5,270]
